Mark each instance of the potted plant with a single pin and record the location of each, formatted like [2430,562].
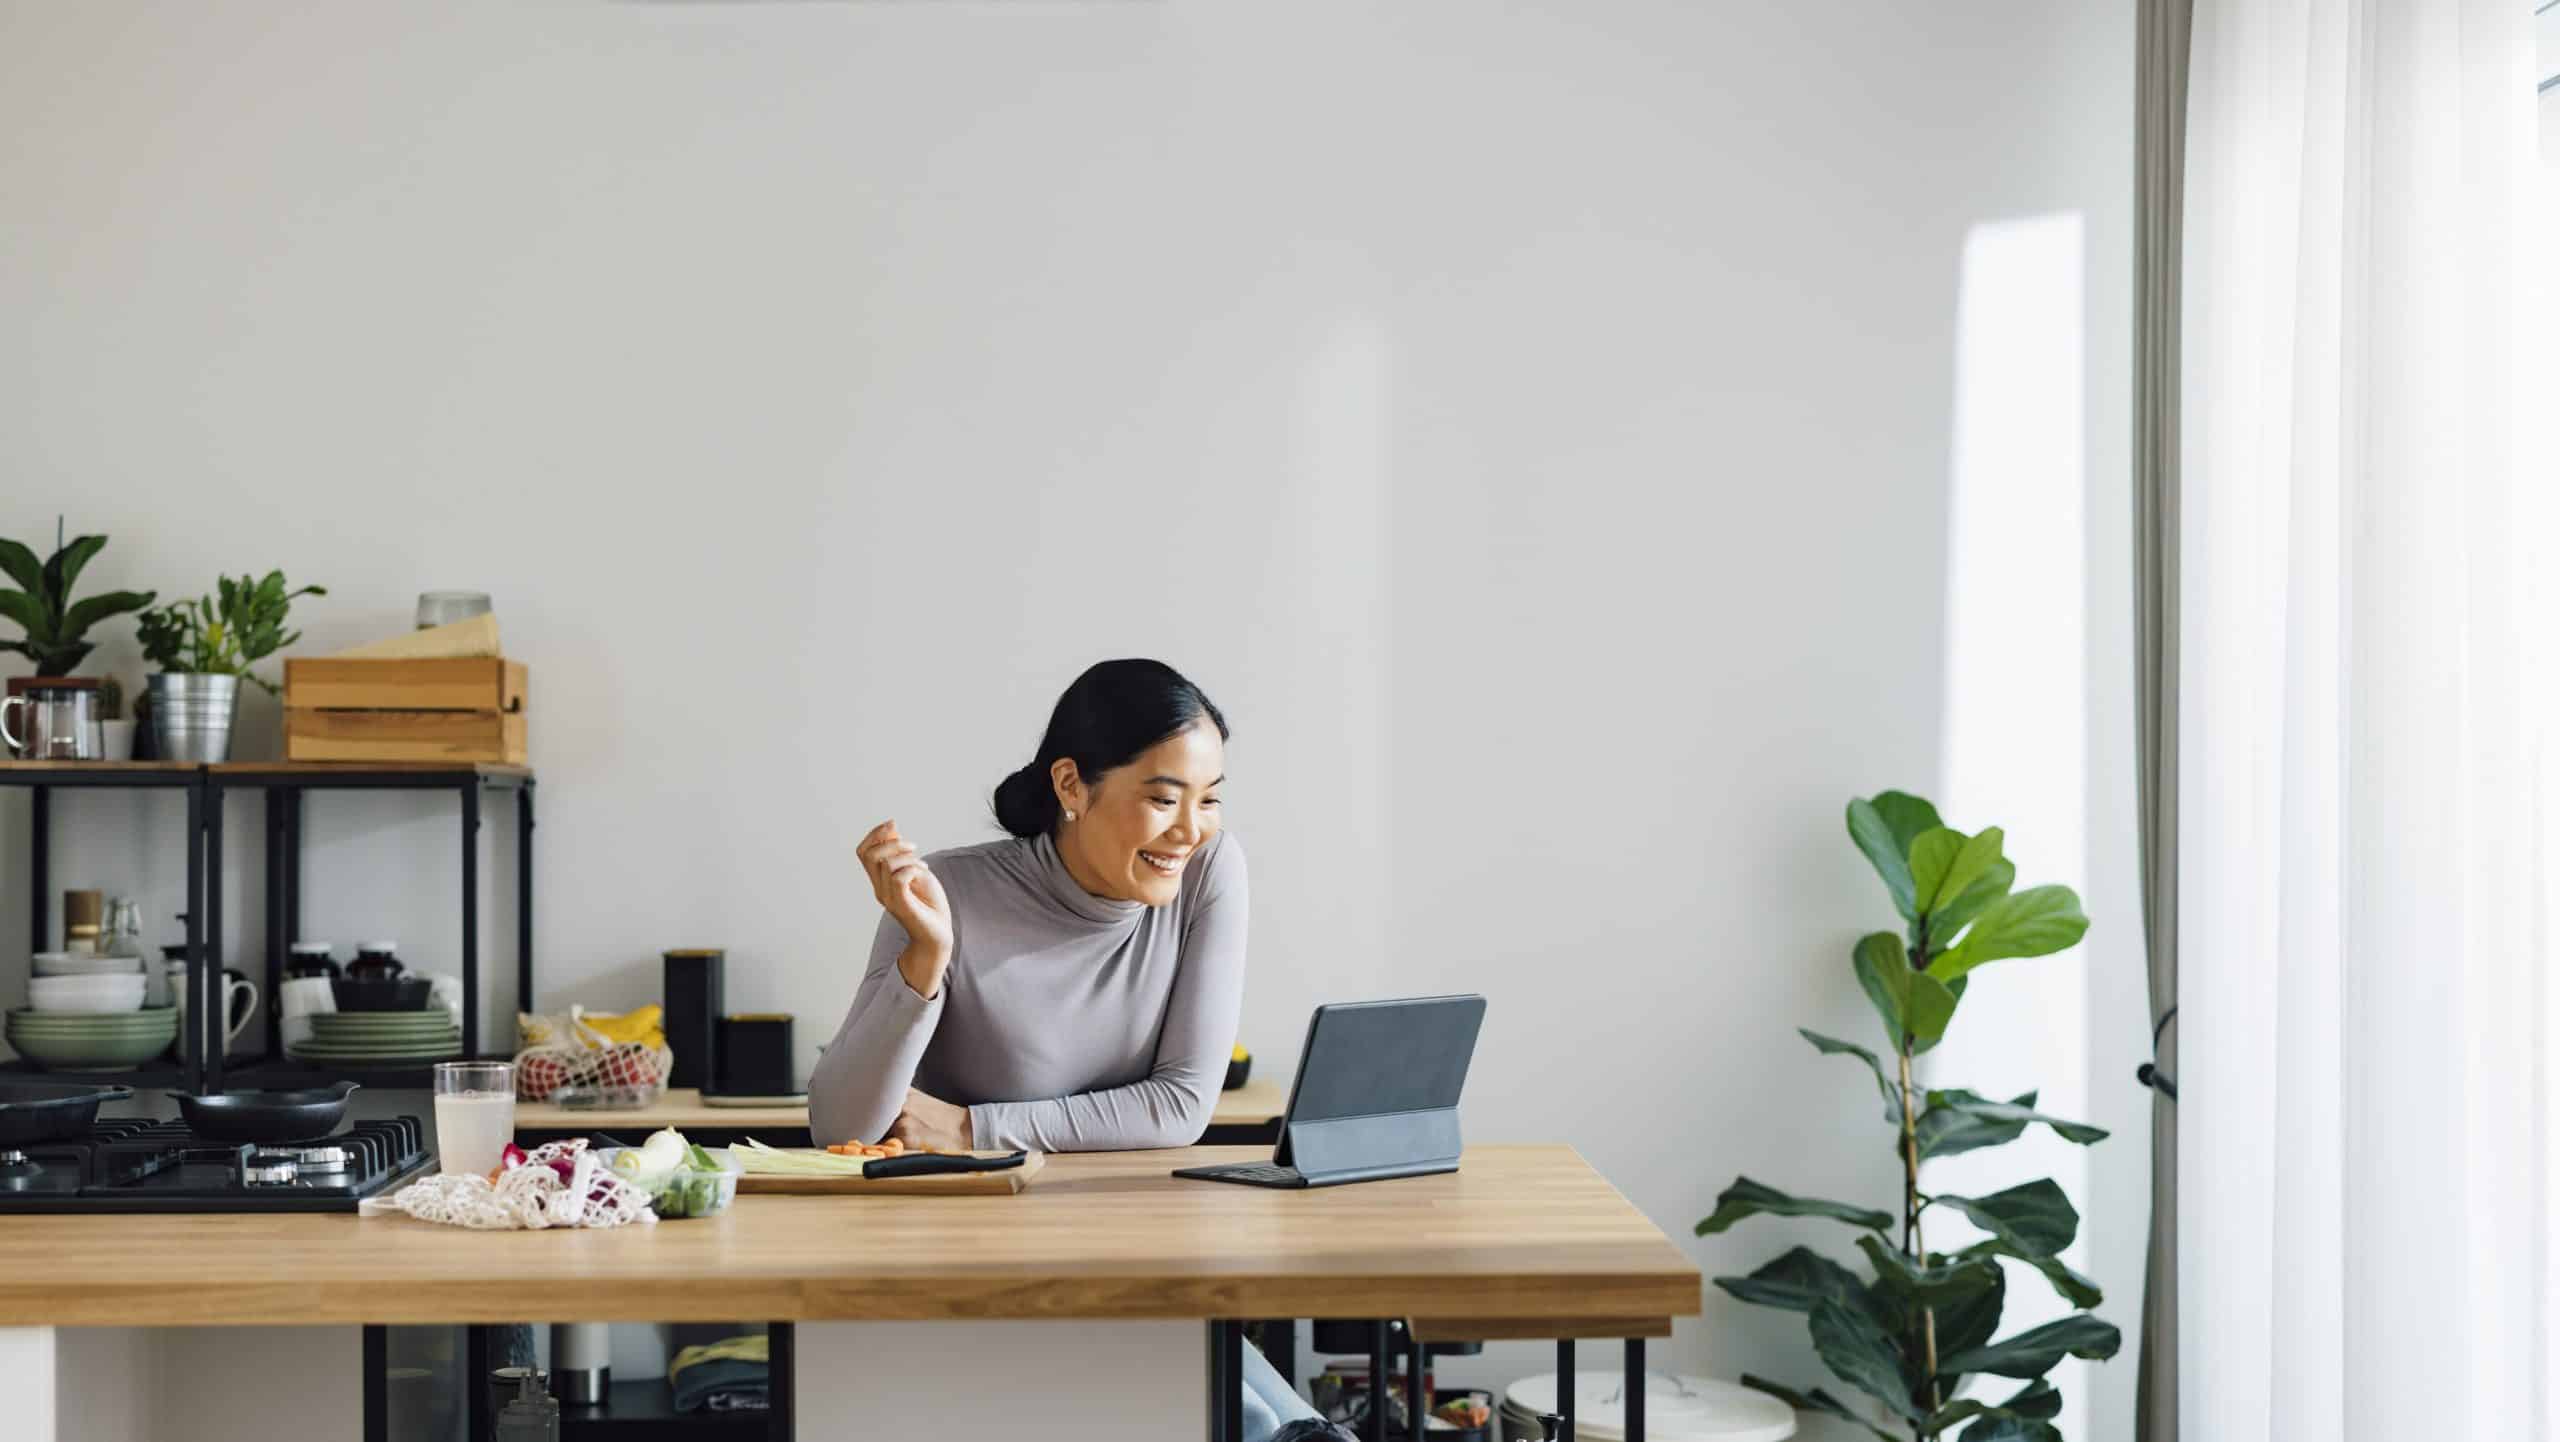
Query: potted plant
[55,626]
[1918,1331]
[203,648]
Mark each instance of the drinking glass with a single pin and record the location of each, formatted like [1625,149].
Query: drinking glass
[443,608]
[475,1114]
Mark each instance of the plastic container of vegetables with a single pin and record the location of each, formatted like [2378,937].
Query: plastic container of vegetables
[703,1183]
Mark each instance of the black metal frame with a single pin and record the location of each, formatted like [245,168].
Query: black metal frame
[202,1045]
[285,791]
[776,1425]
[1226,1382]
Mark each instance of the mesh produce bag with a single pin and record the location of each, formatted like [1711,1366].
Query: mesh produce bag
[572,1049]
[558,1184]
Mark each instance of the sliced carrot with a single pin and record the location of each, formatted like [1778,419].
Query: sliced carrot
[893,1146]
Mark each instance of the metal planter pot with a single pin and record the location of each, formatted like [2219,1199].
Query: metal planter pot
[191,716]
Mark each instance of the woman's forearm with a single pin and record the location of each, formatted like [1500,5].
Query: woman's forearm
[861,1080]
[921,966]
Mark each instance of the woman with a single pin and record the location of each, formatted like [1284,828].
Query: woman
[1073,988]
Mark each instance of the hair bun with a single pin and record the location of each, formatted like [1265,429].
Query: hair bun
[1026,803]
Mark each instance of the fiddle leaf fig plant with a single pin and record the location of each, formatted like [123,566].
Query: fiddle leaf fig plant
[55,626]
[226,633]
[1916,1331]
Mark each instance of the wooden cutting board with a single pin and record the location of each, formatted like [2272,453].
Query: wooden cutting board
[949,1184]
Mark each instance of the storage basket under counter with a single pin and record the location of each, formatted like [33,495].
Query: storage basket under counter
[362,709]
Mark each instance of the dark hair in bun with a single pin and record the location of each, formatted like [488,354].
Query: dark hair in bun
[1114,711]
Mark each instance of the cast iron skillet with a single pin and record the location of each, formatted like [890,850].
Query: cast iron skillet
[35,1111]
[266,1116]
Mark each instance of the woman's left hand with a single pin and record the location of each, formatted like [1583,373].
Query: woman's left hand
[928,1122]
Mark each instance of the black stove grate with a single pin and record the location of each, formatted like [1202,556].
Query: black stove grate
[136,1165]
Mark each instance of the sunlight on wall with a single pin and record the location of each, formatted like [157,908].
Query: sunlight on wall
[2015,723]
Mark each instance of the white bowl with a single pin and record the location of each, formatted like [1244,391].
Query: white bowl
[85,993]
[72,963]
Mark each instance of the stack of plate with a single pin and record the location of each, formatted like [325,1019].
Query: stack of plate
[91,1040]
[363,1039]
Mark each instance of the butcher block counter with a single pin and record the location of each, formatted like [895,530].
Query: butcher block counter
[1518,1232]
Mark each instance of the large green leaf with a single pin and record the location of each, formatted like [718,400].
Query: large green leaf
[2033,1216]
[1959,1121]
[1951,920]
[62,572]
[2033,1352]
[1909,1002]
[1920,1286]
[1747,1198]
[2074,1288]
[22,566]
[86,613]
[24,609]
[1833,1046]
[1799,1279]
[1815,1400]
[2034,922]
[1971,1321]
[1884,828]
[1945,862]
[1862,1354]
[2035,1402]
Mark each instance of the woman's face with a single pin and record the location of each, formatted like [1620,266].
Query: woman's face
[1138,826]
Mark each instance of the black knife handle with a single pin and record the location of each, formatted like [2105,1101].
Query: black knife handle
[927,1164]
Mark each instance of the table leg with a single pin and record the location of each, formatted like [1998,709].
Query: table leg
[1417,1401]
[1633,1389]
[1565,1388]
[377,1385]
[1378,1382]
[1226,1381]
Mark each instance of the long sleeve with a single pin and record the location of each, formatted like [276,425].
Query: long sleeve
[1171,1106]
[860,1084]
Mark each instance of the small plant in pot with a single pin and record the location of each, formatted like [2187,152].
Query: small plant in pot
[56,627]
[204,648]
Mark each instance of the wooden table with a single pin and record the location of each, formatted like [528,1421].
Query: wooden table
[1249,1114]
[1522,1241]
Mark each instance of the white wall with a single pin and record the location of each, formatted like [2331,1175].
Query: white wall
[1534,424]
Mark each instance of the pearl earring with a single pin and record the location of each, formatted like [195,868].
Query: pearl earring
[1071,816]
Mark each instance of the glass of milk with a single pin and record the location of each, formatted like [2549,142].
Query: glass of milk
[475,1114]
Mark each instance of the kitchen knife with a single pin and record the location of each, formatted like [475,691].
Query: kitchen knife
[930,1164]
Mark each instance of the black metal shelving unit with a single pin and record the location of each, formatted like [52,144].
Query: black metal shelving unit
[203,1062]
[41,779]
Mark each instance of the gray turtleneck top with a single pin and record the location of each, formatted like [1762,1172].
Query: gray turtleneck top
[1065,1021]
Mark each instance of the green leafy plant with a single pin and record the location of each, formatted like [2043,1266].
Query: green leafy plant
[41,603]
[226,633]
[1914,1334]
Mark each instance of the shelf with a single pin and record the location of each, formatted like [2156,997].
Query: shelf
[303,775]
[157,1076]
[642,1410]
[99,773]
[368,775]
[260,1074]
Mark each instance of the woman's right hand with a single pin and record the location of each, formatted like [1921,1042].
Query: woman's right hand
[909,891]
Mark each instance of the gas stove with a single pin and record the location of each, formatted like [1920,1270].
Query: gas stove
[146,1166]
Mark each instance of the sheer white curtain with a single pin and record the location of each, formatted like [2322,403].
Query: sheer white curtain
[2362,1157]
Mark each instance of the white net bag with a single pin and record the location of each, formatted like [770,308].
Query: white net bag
[559,1184]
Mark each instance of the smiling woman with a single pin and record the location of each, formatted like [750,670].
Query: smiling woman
[1072,988]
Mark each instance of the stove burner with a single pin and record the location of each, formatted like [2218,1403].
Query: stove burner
[135,1165]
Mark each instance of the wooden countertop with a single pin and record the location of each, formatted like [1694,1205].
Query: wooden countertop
[1519,1232]
[1256,1103]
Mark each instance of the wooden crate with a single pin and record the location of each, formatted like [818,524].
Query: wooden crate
[352,709]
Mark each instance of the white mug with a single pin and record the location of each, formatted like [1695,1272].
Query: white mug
[236,1018]
[300,998]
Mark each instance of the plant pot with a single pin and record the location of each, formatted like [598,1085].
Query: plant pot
[191,716]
